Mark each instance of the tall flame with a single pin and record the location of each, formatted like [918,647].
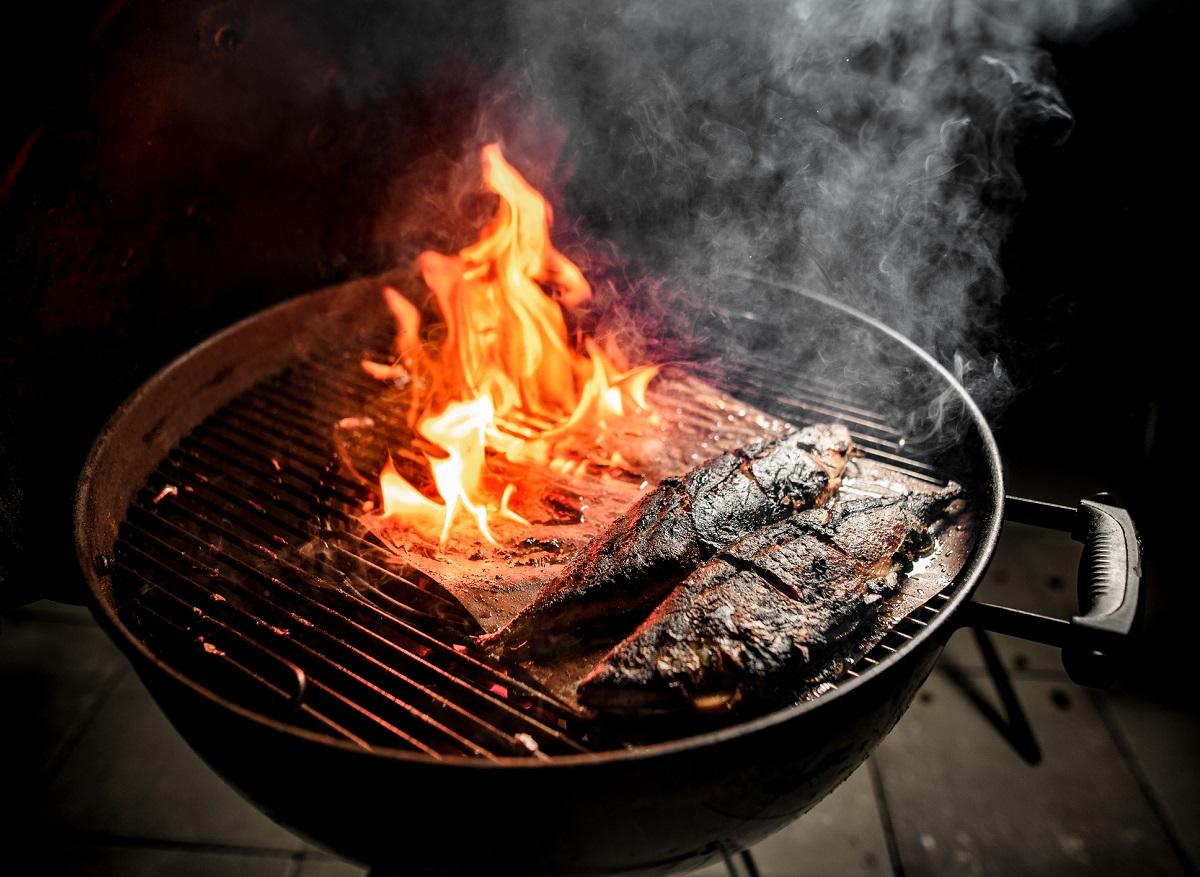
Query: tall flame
[506,378]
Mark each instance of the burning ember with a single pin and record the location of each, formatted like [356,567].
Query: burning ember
[506,378]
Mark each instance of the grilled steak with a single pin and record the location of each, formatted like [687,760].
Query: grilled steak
[768,611]
[629,567]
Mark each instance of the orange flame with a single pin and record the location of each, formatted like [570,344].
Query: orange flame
[506,376]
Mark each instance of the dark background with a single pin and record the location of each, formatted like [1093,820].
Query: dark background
[165,175]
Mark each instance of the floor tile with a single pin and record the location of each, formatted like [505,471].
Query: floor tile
[53,676]
[32,646]
[125,861]
[839,837]
[329,868]
[717,869]
[132,775]
[842,835]
[1165,743]
[963,802]
[51,610]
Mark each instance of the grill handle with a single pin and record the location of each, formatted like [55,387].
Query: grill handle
[1095,642]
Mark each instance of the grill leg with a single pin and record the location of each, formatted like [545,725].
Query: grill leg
[1013,725]
[740,865]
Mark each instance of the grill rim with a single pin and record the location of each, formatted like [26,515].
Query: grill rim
[989,505]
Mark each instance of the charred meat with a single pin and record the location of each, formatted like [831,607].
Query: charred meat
[627,569]
[766,613]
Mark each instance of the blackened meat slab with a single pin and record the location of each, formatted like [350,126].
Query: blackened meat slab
[760,617]
[629,567]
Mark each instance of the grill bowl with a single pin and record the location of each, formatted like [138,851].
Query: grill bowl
[652,809]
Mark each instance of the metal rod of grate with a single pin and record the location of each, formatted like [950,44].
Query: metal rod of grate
[239,563]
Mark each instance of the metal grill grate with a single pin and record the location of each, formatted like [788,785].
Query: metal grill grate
[239,564]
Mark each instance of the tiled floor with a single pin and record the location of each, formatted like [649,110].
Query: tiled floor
[97,782]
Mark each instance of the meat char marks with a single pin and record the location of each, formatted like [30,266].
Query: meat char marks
[629,567]
[766,613]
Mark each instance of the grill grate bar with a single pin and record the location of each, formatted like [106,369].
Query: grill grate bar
[328,375]
[293,488]
[314,474]
[314,416]
[542,708]
[341,550]
[231,591]
[908,465]
[396,626]
[290,600]
[873,436]
[435,605]
[738,374]
[815,408]
[897,635]
[262,625]
[758,385]
[326,402]
[877,431]
[310,429]
[492,670]
[182,632]
[355,558]
[822,409]
[322,657]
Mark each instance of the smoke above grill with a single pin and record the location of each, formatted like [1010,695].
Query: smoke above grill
[866,151]
[862,149]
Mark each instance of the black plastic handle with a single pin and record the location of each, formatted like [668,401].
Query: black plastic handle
[1110,579]
[1095,642]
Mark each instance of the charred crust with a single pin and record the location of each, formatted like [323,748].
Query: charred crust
[745,565]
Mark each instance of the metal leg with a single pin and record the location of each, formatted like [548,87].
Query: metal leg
[748,862]
[1012,724]
[740,864]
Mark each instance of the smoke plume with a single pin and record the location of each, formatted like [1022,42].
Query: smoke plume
[862,150]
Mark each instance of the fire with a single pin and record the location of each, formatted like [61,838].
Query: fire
[506,378]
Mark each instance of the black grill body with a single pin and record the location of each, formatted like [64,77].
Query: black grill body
[339,694]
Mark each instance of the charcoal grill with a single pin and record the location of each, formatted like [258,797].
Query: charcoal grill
[341,692]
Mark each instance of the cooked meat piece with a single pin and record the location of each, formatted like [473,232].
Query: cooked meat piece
[765,613]
[629,567]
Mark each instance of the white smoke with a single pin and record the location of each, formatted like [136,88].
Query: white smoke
[862,149]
